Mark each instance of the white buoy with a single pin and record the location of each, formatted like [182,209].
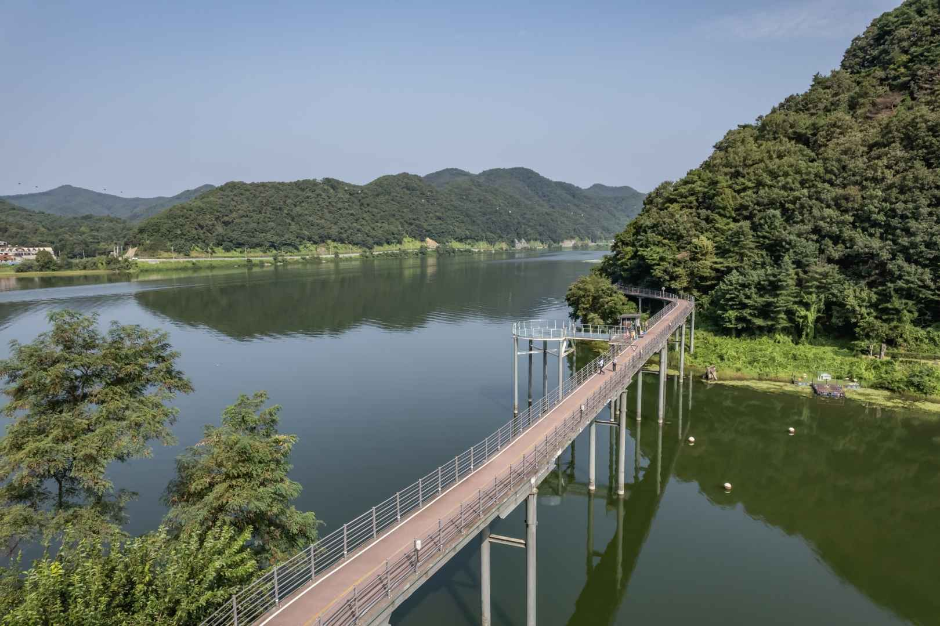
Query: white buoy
[791,430]
[691,441]
[727,486]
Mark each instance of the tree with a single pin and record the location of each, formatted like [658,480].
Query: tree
[595,300]
[80,400]
[153,579]
[237,475]
[45,261]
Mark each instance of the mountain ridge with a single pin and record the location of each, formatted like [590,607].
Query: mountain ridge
[72,201]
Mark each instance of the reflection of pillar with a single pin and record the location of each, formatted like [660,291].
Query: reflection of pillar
[690,392]
[589,562]
[692,334]
[485,575]
[530,524]
[622,452]
[530,372]
[619,542]
[679,406]
[637,454]
[515,376]
[639,393]
[659,459]
[591,464]
[682,355]
[663,356]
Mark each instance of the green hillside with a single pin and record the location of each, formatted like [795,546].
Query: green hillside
[73,201]
[495,206]
[70,236]
[824,214]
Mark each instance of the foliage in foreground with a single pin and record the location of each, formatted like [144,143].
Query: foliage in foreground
[238,475]
[80,400]
[153,579]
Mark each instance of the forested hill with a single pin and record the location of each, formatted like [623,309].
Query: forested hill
[90,235]
[822,215]
[73,201]
[508,207]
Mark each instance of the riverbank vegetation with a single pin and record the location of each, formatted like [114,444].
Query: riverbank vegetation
[79,401]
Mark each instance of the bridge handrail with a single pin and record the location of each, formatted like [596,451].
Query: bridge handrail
[267,591]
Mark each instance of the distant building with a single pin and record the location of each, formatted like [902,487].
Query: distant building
[15,254]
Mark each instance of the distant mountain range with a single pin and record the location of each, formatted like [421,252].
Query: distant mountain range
[499,205]
[70,201]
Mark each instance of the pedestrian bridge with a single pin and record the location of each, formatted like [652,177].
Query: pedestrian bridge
[362,571]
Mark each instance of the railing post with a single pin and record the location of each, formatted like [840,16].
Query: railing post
[440,535]
[456,469]
[375,527]
[388,582]
[234,610]
[277,595]
[345,544]
[398,506]
[472,450]
[439,467]
[313,563]
[480,502]
[420,493]
[461,516]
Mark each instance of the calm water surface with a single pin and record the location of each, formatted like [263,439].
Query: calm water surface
[387,368]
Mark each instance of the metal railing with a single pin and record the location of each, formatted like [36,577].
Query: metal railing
[266,592]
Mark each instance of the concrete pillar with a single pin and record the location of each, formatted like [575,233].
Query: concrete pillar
[485,575]
[561,366]
[639,306]
[544,369]
[663,364]
[682,356]
[639,394]
[692,334]
[530,373]
[530,551]
[592,465]
[515,376]
[622,456]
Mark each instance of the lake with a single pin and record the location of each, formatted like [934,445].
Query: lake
[386,368]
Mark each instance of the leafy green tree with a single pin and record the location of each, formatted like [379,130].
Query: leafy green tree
[45,262]
[595,300]
[237,475]
[153,579]
[80,400]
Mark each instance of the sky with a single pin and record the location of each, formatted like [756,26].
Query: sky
[144,99]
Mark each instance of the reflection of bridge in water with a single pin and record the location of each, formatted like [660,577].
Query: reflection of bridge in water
[361,572]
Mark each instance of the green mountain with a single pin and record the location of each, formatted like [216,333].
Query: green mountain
[824,214]
[90,235]
[71,201]
[451,205]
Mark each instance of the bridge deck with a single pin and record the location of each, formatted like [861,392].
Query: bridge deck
[315,599]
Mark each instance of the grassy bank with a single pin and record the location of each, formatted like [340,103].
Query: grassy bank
[771,363]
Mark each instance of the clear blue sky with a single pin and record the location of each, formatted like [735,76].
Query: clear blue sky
[152,98]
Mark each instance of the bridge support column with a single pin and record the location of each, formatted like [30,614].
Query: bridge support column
[692,334]
[639,393]
[561,367]
[530,373]
[663,364]
[530,571]
[515,376]
[622,452]
[682,356]
[544,369]
[485,575]
[591,464]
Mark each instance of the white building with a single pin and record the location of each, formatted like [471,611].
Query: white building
[16,254]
